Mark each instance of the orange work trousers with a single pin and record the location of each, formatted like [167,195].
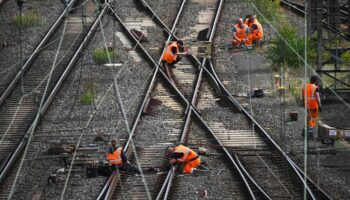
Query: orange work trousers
[236,42]
[312,115]
[253,36]
[188,167]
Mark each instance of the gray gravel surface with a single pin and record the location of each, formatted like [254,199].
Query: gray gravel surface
[48,11]
[68,114]
[128,12]
[221,182]
[246,70]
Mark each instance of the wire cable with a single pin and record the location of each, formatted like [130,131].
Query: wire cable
[36,89]
[298,55]
[38,112]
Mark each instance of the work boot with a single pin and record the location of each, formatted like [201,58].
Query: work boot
[151,170]
[202,167]
[310,132]
[204,163]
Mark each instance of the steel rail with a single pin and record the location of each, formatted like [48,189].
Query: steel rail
[262,192]
[301,10]
[147,95]
[170,83]
[194,109]
[35,53]
[5,168]
[242,174]
[212,76]
[157,68]
[325,195]
[191,57]
[150,59]
[105,188]
[263,133]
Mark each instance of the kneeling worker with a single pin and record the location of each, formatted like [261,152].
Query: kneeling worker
[170,56]
[254,35]
[186,156]
[117,159]
[240,32]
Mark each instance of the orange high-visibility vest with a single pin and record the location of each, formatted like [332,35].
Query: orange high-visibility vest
[240,32]
[168,56]
[189,154]
[116,157]
[309,92]
[250,24]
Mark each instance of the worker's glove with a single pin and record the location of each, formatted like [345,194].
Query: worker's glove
[320,109]
[186,52]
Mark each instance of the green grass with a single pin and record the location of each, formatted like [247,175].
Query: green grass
[295,89]
[270,9]
[28,19]
[87,97]
[279,53]
[102,55]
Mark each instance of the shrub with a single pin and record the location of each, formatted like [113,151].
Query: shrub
[102,55]
[346,57]
[88,96]
[270,9]
[295,89]
[28,19]
[279,53]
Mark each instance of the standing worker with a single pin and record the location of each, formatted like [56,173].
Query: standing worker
[117,159]
[240,32]
[312,101]
[170,56]
[186,156]
[257,32]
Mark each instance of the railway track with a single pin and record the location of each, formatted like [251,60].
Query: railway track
[220,140]
[108,191]
[33,33]
[341,31]
[20,115]
[149,155]
[312,191]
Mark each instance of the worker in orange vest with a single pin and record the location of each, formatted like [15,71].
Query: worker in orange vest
[170,56]
[312,101]
[256,32]
[254,35]
[240,32]
[186,156]
[118,160]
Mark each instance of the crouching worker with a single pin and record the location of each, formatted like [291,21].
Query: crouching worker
[186,156]
[255,35]
[240,32]
[172,52]
[118,161]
